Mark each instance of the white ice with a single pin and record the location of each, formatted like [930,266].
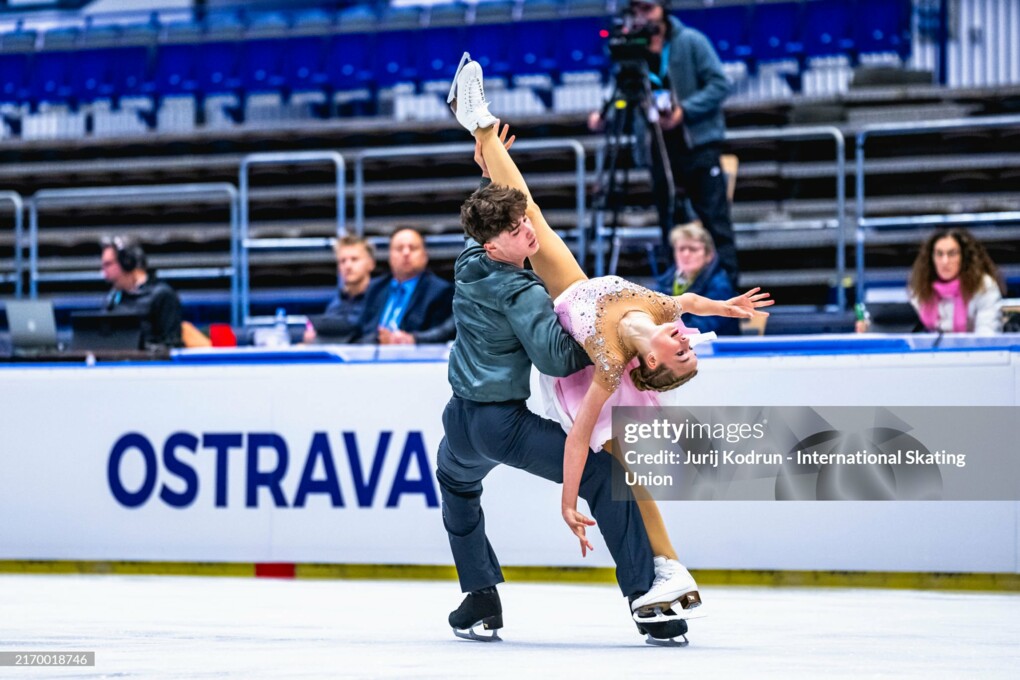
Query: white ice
[190,627]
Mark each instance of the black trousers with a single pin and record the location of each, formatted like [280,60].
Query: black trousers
[697,176]
[480,436]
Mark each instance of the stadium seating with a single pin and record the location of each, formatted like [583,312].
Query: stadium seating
[240,53]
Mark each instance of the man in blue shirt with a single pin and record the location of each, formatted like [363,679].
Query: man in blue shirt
[411,305]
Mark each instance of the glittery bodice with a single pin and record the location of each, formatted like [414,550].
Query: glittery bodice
[591,312]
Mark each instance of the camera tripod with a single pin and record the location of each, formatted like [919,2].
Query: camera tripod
[631,100]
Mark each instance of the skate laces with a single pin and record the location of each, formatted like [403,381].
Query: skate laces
[665,570]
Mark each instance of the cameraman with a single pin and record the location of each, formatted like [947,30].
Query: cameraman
[688,88]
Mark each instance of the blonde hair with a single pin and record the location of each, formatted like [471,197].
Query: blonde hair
[693,231]
[660,379]
[352,240]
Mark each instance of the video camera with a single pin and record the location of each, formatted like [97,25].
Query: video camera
[629,40]
[630,37]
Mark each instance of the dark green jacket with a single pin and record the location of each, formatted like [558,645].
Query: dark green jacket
[699,83]
[505,323]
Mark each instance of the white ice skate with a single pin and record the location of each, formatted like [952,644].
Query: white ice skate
[467,96]
[673,596]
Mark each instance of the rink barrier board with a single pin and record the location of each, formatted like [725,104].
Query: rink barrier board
[534,574]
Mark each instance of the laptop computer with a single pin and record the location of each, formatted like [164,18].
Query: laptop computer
[106,331]
[32,325]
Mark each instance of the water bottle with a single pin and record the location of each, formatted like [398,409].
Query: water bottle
[280,325]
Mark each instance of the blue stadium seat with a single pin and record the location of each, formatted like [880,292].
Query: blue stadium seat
[582,47]
[51,76]
[14,78]
[727,28]
[93,75]
[883,26]
[776,34]
[219,67]
[175,70]
[532,47]
[349,62]
[263,66]
[304,66]
[396,58]
[828,28]
[489,45]
[439,52]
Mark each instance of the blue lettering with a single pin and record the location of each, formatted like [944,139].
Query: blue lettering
[132,440]
[271,479]
[319,449]
[176,466]
[222,443]
[414,449]
[366,490]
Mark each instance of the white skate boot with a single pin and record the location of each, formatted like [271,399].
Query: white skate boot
[467,96]
[674,595]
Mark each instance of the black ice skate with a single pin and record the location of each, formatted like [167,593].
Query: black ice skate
[662,628]
[479,608]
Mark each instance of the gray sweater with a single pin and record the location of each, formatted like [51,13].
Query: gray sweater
[505,323]
[699,83]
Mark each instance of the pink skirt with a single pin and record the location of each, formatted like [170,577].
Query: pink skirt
[562,397]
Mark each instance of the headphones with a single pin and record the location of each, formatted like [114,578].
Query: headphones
[130,255]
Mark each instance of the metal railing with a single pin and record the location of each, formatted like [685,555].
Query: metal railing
[243,244]
[890,129]
[464,150]
[90,194]
[790,133]
[18,204]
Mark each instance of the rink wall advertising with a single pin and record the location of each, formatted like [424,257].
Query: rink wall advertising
[850,453]
[334,463]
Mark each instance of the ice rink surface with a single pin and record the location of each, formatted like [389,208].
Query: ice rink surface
[191,627]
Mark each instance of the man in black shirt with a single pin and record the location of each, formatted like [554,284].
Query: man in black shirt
[355,261]
[134,290]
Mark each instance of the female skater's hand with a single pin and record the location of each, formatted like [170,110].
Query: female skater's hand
[746,306]
[480,159]
[577,523]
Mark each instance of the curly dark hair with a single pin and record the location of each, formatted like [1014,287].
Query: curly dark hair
[974,264]
[491,210]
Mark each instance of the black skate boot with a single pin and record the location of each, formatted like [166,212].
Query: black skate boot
[479,608]
[661,628]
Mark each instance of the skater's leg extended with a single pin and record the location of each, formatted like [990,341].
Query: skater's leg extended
[554,263]
[536,446]
[658,537]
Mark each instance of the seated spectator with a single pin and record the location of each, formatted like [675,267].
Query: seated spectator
[954,285]
[355,260]
[136,290]
[410,305]
[697,270]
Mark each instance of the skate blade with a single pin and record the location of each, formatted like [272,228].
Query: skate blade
[470,634]
[491,623]
[465,58]
[670,642]
[688,606]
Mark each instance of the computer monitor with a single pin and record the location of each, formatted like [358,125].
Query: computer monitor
[106,331]
[31,325]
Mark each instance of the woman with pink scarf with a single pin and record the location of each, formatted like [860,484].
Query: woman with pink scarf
[954,285]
